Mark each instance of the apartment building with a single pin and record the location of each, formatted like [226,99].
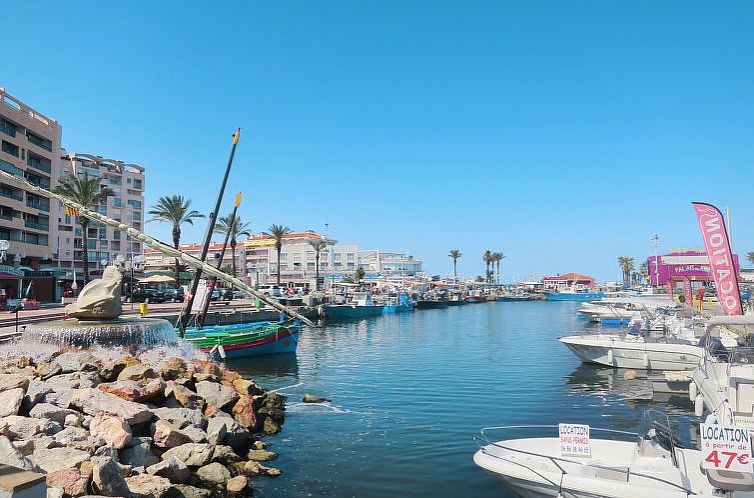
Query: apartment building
[389,264]
[127,205]
[29,149]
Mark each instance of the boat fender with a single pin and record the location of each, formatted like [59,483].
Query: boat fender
[214,349]
[610,356]
[645,360]
[692,391]
[699,405]
[221,350]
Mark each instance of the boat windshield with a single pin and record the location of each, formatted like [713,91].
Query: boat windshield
[656,437]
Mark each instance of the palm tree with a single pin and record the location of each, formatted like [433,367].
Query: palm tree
[88,192]
[232,224]
[750,257]
[319,245]
[626,264]
[175,210]
[487,258]
[498,256]
[455,254]
[278,232]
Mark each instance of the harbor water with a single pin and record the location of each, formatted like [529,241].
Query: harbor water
[409,391]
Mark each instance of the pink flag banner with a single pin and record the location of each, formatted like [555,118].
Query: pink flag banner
[717,245]
[688,294]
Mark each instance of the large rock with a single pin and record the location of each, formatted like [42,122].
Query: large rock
[35,392]
[10,401]
[224,454]
[214,473]
[167,435]
[14,380]
[76,437]
[206,367]
[247,386]
[310,398]
[94,401]
[139,454]
[73,380]
[223,429]
[256,468]
[139,371]
[181,417]
[74,361]
[113,429]
[107,478]
[219,395]
[192,454]
[186,491]
[244,412]
[9,455]
[184,396]
[237,484]
[45,370]
[72,481]
[17,427]
[52,459]
[52,412]
[196,434]
[262,455]
[174,368]
[147,486]
[99,299]
[172,468]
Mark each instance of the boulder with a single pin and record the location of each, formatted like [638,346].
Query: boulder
[147,486]
[182,417]
[256,468]
[47,411]
[94,401]
[107,450]
[310,398]
[244,412]
[271,426]
[113,429]
[24,446]
[60,398]
[262,455]
[247,386]
[52,459]
[173,469]
[184,396]
[55,493]
[192,454]
[237,484]
[217,394]
[199,377]
[72,481]
[167,435]
[72,420]
[196,434]
[186,491]
[46,370]
[214,473]
[174,368]
[17,427]
[224,429]
[139,454]
[107,478]
[9,455]
[137,372]
[35,392]
[14,380]
[206,367]
[129,390]
[76,437]
[224,453]
[10,401]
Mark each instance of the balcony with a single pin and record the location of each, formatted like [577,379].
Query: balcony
[37,225]
[37,163]
[8,128]
[38,180]
[10,195]
[42,206]
[39,141]
[9,168]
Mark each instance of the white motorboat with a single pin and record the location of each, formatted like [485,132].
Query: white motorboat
[652,467]
[596,312]
[723,383]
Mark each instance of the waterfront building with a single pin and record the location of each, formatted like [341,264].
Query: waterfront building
[568,280]
[681,264]
[127,205]
[29,149]
[157,262]
[378,264]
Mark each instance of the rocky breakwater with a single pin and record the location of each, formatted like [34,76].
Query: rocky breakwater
[135,426]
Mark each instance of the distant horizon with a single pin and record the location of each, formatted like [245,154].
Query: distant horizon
[563,135]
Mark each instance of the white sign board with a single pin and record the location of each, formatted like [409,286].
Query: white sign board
[726,448]
[202,294]
[574,439]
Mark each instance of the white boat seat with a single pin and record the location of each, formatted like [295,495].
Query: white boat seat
[730,481]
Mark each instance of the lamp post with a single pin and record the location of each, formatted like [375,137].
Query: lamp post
[656,239]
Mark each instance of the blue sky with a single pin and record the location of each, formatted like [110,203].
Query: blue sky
[563,134]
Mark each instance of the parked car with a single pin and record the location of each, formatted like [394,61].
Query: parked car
[141,295]
[240,294]
[226,294]
[270,290]
[175,295]
[215,295]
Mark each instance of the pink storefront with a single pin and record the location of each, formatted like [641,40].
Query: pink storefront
[680,266]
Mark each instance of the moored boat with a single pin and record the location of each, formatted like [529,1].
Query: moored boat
[248,339]
[360,306]
[429,304]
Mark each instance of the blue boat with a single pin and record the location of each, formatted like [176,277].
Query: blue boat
[574,296]
[403,305]
[360,306]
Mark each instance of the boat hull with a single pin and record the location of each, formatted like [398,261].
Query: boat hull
[244,340]
[430,305]
[618,352]
[394,309]
[513,298]
[574,296]
[351,312]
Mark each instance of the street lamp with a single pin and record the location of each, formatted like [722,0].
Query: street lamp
[656,239]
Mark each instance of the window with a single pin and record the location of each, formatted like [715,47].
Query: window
[39,141]
[135,204]
[349,256]
[10,148]
[114,180]
[39,162]
[137,184]
[117,202]
[40,181]
[91,244]
[309,254]
[7,127]
[77,232]
[338,256]
[116,234]
[9,168]
[283,256]
[103,233]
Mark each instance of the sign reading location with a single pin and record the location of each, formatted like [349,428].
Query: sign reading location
[574,439]
[725,448]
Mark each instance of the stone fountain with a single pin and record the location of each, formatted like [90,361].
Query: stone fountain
[95,319]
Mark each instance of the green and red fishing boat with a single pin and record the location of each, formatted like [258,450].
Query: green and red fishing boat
[246,339]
